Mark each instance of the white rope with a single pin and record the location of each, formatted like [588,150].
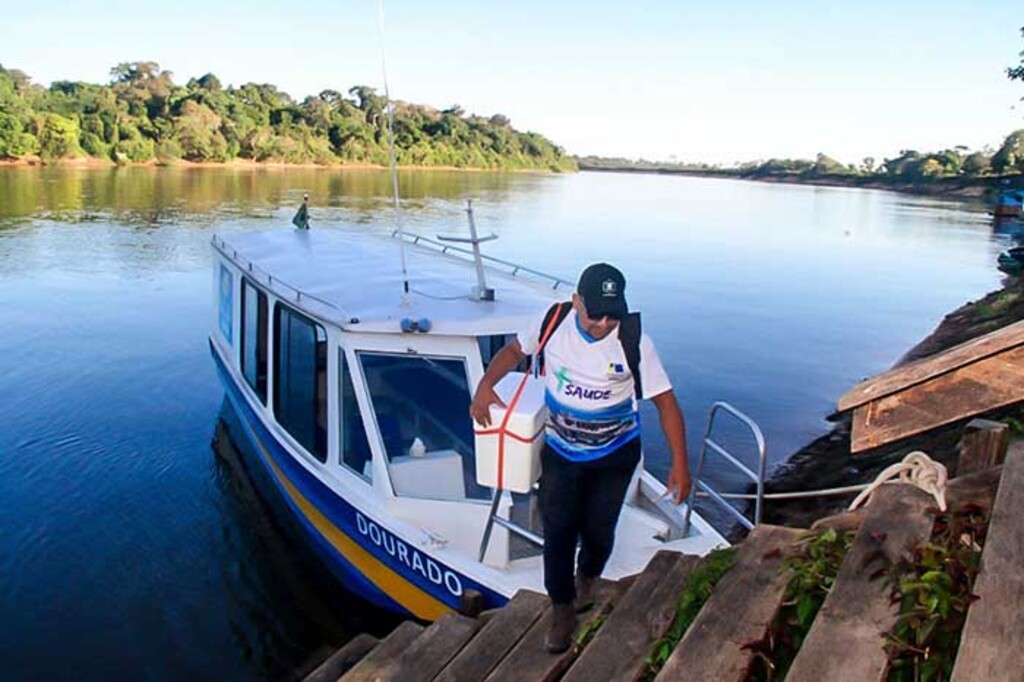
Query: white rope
[917,469]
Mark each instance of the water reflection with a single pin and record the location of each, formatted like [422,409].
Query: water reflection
[266,568]
[155,196]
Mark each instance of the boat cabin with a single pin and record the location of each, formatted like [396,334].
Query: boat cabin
[357,395]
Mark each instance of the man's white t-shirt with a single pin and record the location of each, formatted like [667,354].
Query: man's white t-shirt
[589,391]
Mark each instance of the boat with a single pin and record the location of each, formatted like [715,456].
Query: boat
[350,389]
[1011,261]
[1008,203]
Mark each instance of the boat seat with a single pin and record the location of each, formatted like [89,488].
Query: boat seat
[437,475]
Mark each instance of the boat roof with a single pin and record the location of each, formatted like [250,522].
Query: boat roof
[354,281]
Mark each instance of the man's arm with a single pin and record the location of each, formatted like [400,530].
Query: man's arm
[503,362]
[674,426]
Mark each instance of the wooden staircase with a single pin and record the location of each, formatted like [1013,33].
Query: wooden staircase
[845,641]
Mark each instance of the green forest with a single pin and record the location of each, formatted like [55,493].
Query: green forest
[142,115]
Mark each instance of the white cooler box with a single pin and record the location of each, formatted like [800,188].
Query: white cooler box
[524,437]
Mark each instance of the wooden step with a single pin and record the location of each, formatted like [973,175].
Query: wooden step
[643,615]
[429,653]
[991,640]
[858,611]
[739,612]
[377,662]
[529,661]
[342,660]
[498,636]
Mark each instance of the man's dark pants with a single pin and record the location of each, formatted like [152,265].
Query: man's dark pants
[581,501]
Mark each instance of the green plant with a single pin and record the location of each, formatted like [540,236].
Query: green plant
[698,588]
[814,567]
[986,309]
[933,589]
[588,631]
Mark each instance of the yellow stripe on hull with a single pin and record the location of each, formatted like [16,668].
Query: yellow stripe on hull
[418,602]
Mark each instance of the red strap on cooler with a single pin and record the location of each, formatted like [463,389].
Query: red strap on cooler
[502,430]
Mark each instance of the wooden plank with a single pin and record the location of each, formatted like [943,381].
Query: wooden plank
[970,390]
[499,634]
[529,661]
[901,378]
[343,659]
[983,445]
[376,663]
[845,642]
[738,612]
[643,615]
[431,651]
[991,640]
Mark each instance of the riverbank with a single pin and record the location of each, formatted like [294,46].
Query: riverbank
[827,462]
[969,188]
[90,162]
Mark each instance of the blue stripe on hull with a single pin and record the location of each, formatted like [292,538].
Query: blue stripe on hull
[346,519]
[350,579]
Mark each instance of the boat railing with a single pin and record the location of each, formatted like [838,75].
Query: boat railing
[511,526]
[703,488]
[507,267]
[256,272]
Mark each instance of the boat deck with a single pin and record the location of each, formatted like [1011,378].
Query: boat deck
[305,267]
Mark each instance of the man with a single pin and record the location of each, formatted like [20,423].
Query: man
[592,437]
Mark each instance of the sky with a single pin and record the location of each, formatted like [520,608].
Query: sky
[682,80]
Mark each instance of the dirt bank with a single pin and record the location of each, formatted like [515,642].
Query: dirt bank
[244,165]
[966,188]
[827,461]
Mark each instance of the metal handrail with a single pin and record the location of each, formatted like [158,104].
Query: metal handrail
[515,268]
[757,477]
[507,524]
[270,280]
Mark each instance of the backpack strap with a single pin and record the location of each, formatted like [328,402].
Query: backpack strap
[629,336]
[630,331]
[552,318]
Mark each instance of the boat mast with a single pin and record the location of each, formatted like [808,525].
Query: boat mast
[389,111]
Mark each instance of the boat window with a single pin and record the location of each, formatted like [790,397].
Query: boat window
[355,447]
[254,339]
[422,409]
[300,379]
[490,345]
[225,294]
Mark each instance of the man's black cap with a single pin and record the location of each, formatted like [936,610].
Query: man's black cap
[603,290]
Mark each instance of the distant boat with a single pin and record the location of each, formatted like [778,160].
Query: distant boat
[1008,203]
[1011,261]
[351,404]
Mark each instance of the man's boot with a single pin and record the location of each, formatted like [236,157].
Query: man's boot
[584,592]
[563,626]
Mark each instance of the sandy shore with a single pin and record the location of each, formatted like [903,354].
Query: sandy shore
[89,162]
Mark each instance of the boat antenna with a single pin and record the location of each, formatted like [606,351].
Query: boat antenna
[389,111]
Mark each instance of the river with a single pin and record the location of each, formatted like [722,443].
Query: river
[129,551]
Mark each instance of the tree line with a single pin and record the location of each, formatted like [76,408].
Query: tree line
[908,166]
[142,115]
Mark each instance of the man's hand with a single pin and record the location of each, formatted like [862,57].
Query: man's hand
[503,362]
[679,483]
[480,409]
[674,426]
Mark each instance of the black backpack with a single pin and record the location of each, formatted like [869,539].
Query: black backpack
[629,337]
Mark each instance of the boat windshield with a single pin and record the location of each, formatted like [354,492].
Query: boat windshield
[421,405]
